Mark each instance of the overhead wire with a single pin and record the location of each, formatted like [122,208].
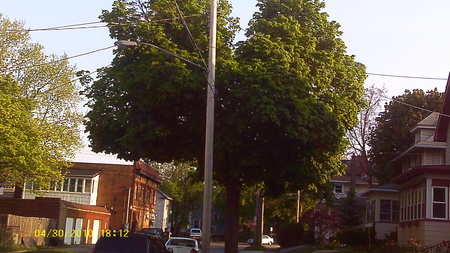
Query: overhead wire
[182,18]
[83,25]
[62,59]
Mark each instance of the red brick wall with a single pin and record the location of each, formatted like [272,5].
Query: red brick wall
[114,182]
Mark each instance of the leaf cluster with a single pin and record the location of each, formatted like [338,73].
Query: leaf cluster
[23,154]
[44,81]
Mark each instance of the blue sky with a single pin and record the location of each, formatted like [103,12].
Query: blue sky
[406,38]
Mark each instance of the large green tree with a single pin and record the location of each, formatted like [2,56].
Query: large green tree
[22,149]
[46,81]
[285,96]
[392,135]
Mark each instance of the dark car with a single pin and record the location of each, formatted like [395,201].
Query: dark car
[129,243]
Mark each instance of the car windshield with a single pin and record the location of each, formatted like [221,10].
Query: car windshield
[181,242]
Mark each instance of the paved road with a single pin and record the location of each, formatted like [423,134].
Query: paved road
[216,247]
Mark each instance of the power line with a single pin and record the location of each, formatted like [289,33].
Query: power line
[411,77]
[62,59]
[90,25]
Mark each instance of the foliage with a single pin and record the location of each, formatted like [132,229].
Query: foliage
[324,221]
[285,97]
[22,150]
[392,134]
[181,185]
[290,234]
[350,211]
[45,81]
[283,209]
[356,236]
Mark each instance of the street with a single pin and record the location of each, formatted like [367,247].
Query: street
[216,247]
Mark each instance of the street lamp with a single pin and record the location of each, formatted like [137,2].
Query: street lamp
[122,44]
[209,134]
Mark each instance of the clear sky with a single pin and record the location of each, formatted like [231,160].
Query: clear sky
[401,37]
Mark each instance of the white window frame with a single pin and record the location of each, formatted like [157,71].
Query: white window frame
[445,202]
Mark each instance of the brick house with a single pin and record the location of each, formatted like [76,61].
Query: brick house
[128,191]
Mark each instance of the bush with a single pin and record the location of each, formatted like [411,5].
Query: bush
[355,236]
[290,234]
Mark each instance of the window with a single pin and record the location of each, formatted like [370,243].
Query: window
[87,185]
[439,202]
[385,210]
[79,185]
[338,188]
[412,205]
[389,210]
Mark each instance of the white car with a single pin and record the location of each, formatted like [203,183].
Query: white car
[182,245]
[264,240]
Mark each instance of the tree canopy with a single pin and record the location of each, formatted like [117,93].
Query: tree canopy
[392,135]
[44,81]
[285,96]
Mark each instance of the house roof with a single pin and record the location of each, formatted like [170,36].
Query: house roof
[148,171]
[164,196]
[382,188]
[82,173]
[85,208]
[441,129]
[428,122]
[442,169]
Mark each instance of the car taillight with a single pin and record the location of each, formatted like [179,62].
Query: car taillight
[194,251]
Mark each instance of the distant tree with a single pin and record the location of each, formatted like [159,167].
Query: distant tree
[350,211]
[181,184]
[45,81]
[392,135]
[359,136]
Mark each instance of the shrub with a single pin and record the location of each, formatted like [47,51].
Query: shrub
[290,234]
[355,236]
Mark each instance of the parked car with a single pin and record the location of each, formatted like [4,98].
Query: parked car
[158,232]
[183,245]
[264,240]
[136,243]
[195,233]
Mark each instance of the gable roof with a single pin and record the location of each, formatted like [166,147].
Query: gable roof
[442,125]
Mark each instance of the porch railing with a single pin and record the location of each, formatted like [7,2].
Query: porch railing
[442,247]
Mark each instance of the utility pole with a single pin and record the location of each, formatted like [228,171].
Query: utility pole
[209,135]
[299,207]
[259,219]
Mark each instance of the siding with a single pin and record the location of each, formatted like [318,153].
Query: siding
[427,232]
[383,229]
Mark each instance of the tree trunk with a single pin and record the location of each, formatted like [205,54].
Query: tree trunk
[233,194]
